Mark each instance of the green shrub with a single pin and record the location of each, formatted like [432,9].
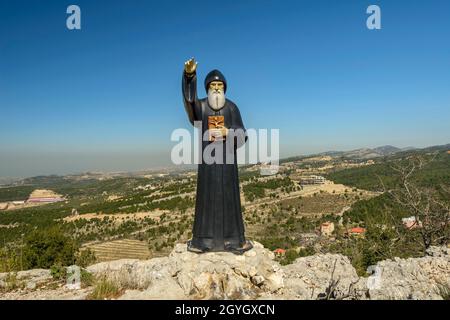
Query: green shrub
[58,272]
[289,257]
[9,260]
[85,258]
[292,254]
[48,247]
[87,279]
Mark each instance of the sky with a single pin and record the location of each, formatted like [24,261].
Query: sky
[107,97]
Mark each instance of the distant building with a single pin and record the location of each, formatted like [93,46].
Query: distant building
[312,179]
[411,223]
[279,252]
[327,228]
[357,231]
[44,196]
[148,187]
[44,200]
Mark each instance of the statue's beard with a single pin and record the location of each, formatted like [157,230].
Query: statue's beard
[216,99]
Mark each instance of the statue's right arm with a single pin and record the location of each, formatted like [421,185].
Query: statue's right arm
[189,87]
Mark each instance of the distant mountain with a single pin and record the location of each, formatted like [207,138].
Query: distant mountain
[8,180]
[331,153]
[444,147]
[364,153]
[409,148]
[387,150]
[42,180]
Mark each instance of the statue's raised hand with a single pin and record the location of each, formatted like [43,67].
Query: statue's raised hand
[190,66]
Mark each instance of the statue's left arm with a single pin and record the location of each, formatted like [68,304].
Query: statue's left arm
[238,126]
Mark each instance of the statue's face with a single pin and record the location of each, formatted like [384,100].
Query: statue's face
[216,86]
[216,95]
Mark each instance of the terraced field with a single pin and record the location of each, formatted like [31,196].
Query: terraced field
[120,249]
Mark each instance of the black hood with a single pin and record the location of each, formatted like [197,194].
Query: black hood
[215,75]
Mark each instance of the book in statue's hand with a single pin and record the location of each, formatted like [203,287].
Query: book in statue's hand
[214,123]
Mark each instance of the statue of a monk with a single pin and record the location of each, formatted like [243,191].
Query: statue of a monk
[218,222]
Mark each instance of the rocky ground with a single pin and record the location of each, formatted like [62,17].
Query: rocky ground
[254,275]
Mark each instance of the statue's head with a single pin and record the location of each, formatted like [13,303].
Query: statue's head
[216,86]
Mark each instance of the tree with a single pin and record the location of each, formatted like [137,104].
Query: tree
[429,205]
[47,247]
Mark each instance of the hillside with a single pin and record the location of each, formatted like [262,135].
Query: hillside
[387,150]
[368,178]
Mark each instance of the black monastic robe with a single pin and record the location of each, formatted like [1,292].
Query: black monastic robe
[218,222]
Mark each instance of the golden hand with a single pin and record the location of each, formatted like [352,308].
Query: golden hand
[224,131]
[190,66]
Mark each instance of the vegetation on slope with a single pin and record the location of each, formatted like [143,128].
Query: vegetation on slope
[370,177]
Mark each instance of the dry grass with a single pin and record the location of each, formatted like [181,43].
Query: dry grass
[11,283]
[444,291]
[104,290]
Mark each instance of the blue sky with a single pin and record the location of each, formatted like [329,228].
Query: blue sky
[108,96]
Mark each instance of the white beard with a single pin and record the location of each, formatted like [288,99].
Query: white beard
[216,99]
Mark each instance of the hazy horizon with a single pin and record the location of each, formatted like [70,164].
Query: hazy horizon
[111,163]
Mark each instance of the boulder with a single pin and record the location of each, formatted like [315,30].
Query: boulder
[413,278]
[29,279]
[310,277]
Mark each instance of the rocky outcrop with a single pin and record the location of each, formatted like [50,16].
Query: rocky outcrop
[438,251]
[321,276]
[29,279]
[255,275]
[186,275]
[417,278]
[36,284]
